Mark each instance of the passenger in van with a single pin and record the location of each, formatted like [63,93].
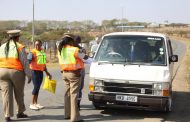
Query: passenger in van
[159,52]
[142,52]
[125,50]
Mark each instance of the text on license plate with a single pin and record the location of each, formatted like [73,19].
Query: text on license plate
[126,98]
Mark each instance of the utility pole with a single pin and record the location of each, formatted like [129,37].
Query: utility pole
[33,24]
[122,19]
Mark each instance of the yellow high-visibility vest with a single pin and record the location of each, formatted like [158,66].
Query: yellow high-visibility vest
[38,61]
[68,59]
[12,60]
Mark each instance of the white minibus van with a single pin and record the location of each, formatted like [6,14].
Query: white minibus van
[133,69]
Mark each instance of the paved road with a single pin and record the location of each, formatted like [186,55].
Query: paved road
[54,111]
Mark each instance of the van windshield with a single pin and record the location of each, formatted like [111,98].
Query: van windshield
[132,49]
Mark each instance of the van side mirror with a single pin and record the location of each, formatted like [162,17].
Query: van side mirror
[91,54]
[173,58]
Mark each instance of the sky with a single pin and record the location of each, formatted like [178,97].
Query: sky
[158,11]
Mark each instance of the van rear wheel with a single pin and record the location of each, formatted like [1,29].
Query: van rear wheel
[98,105]
[168,106]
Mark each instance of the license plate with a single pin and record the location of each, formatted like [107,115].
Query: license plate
[126,98]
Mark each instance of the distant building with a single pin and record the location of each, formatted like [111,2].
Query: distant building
[153,25]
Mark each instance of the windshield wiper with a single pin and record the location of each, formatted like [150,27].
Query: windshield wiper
[108,62]
[104,62]
[140,63]
[127,63]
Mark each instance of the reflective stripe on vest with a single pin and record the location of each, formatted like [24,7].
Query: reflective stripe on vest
[12,60]
[38,61]
[68,58]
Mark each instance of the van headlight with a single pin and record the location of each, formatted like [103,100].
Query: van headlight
[157,86]
[98,89]
[96,85]
[161,89]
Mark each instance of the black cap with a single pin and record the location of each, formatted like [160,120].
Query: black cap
[77,39]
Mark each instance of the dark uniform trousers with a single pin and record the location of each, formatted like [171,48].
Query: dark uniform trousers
[12,80]
[72,86]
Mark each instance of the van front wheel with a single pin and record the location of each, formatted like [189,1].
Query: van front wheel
[98,105]
[168,106]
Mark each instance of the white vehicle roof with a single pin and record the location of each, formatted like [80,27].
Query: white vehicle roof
[137,33]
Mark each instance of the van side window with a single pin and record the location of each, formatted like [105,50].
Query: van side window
[170,51]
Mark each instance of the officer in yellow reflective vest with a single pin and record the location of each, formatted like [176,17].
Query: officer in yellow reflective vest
[71,63]
[13,67]
[37,59]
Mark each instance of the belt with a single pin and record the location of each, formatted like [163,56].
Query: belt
[78,70]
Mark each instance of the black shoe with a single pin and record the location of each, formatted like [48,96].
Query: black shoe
[79,120]
[67,118]
[8,119]
[21,115]
[78,105]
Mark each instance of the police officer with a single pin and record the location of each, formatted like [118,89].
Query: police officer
[71,64]
[13,67]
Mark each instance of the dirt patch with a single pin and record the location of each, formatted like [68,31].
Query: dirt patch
[183,74]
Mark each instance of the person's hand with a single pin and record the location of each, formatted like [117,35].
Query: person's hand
[49,75]
[29,80]
[85,57]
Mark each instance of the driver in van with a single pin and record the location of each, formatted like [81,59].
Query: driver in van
[113,50]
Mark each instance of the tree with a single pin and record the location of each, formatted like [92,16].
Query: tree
[39,26]
[9,25]
[89,24]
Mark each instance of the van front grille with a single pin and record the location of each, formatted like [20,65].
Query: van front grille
[128,88]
